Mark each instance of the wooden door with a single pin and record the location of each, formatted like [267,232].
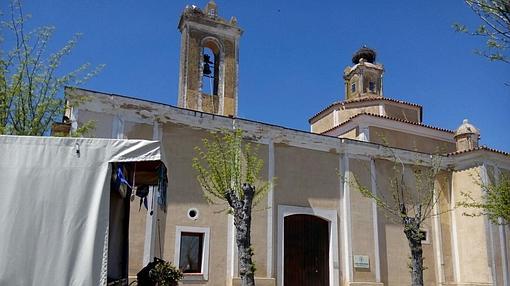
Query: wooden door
[306,251]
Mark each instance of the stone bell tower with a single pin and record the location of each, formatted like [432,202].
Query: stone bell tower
[364,79]
[209,61]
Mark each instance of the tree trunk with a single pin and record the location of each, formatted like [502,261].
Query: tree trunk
[245,252]
[412,232]
[242,222]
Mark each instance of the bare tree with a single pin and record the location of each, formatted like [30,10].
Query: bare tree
[228,171]
[30,80]
[408,200]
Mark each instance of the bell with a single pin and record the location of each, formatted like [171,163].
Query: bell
[207,69]
[207,59]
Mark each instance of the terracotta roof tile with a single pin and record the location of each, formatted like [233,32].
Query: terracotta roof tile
[391,118]
[478,149]
[363,100]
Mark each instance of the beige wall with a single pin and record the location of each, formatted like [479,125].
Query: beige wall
[362,221]
[184,193]
[445,219]
[470,231]
[351,134]
[134,130]
[400,112]
[324,123]
[348,112]
[394,247]
[306,178]
[409,141]
[102,123]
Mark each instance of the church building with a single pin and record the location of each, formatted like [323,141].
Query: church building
[313,227]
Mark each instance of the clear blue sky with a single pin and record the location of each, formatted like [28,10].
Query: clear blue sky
[293,53]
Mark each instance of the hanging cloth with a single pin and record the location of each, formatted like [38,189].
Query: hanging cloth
[120,184]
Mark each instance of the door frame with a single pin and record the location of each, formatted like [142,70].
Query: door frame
[330,215]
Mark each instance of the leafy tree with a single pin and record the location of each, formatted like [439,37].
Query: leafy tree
[30,80]
[408,201]
[228,171]
[495,201]
[495,27]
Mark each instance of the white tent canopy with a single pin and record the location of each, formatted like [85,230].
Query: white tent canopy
[54,207]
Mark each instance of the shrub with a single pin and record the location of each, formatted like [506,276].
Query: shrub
[165,274]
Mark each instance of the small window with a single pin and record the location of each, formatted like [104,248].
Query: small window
[353,87]
[190,259]
[425,239]
[193,214]
[371,86]
[192,252]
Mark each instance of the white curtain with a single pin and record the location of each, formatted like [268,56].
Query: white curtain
[54,205]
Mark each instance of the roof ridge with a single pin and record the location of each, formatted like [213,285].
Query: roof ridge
[391,118]
[479,148]
[363,99]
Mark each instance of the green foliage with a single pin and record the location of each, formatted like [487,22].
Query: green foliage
[30,80]
[165,274]
[225,164]
[495,202]
[495,28]
[411,192]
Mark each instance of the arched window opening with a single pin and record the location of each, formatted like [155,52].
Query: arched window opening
[210,70]
[371,86]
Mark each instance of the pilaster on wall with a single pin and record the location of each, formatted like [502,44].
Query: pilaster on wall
[373,182]
[502,239]
[270,210]
[471,235]
[345,204]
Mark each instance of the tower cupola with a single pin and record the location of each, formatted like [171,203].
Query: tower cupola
[364,78]
[466,136]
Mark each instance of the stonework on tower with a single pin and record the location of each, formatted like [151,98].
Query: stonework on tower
[209,59]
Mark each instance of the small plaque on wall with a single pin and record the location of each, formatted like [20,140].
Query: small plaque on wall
[361,261]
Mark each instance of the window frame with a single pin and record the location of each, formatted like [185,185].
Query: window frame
[427,236]
[205,231]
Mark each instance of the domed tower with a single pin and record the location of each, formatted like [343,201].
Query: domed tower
[466,136]
[364,79]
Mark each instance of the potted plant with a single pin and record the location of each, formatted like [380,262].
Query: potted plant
[165,274]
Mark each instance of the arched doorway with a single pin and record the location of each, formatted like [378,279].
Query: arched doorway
[306,251]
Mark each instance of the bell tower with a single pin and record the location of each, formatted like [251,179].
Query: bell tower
[364,79]
[209,61]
